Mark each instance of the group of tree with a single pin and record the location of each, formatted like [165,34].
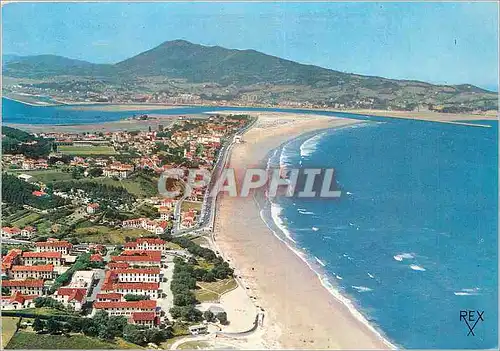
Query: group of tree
[15,141]
[18,192]
[143,336]
[48,302]
[133,297]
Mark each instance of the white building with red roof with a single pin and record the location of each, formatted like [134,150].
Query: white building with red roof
[46,257]
[74,297]
[109,297]
[9,232]
[137,275]
[61,246]
[35,272]
[147,244]
[152,290]
[26,287]
[147,319]
[126,308]
[17,301]
[92,208]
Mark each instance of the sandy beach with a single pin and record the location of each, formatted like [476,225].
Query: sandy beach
[299,311]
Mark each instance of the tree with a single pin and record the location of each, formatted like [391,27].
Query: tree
[208,316]
[222,317]
[133,297]
[134,335]
[53,326]
[116,325]
[38,325]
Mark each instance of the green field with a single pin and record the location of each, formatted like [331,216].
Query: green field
[46,176]
[187,205]
[29,340]
[9,327]
[106,235]
[211,292]
[86,150]
[26,220]
[138,186]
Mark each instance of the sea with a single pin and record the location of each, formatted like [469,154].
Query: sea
[410,245]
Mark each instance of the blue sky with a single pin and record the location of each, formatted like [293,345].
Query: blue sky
[447,43]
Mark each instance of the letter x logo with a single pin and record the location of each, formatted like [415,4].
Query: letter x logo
[471,318]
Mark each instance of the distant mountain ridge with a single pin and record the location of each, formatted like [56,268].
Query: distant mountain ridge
[251,72]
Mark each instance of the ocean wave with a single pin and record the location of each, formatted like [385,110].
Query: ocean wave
[467,292]
[315,229]
[309,146]
[401,257]
[305,212]
[417,268]
[361,288]
[371,275]
[276,211]
[323,278]
[320,262]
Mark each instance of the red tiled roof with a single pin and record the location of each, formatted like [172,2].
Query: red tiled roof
[130,244]
[117,265]
[143,316]
[138,256]
[109,296]
[28,283]
[61,243]
[144,304]
[20,298]
[38,268]
[96,258]
[47,254]
[137,271]
[77,294]
[10,257]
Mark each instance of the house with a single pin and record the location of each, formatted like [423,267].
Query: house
[28,232]
[8,232]
[136,275]
[147,244]
[125,308]
[54,245]
[74,297]
[96,258]
[92,208]
[82,279]
[17,301]
[119,170]
[148,319]
[12,258]
[38,193]
[164,212]
[109,297]
[25,287]
[35,272]
[139,258]
[146,289]
[118,265]
[47,257]
[156,227]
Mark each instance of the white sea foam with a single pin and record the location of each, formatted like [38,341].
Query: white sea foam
[331,289]
[305,212]
[309,146]
[417,268]
[371,275]
[276,211]
[401,257]
[348,193]
[320,262]
[361,288]
[315,229]
[467,292]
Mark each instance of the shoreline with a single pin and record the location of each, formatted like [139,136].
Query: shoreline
[271,268]
[431,116]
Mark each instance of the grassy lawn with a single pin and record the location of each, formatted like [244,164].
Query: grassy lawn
[50,175]
[187,205]
[86,150]
[211,292]
[138,186]
[194,345]
[9,327]
[29,340]
[26,220]
[106,235]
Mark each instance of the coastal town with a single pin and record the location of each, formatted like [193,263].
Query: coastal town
[90,248]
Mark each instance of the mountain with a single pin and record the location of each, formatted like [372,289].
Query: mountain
[216,73]
[40,66]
